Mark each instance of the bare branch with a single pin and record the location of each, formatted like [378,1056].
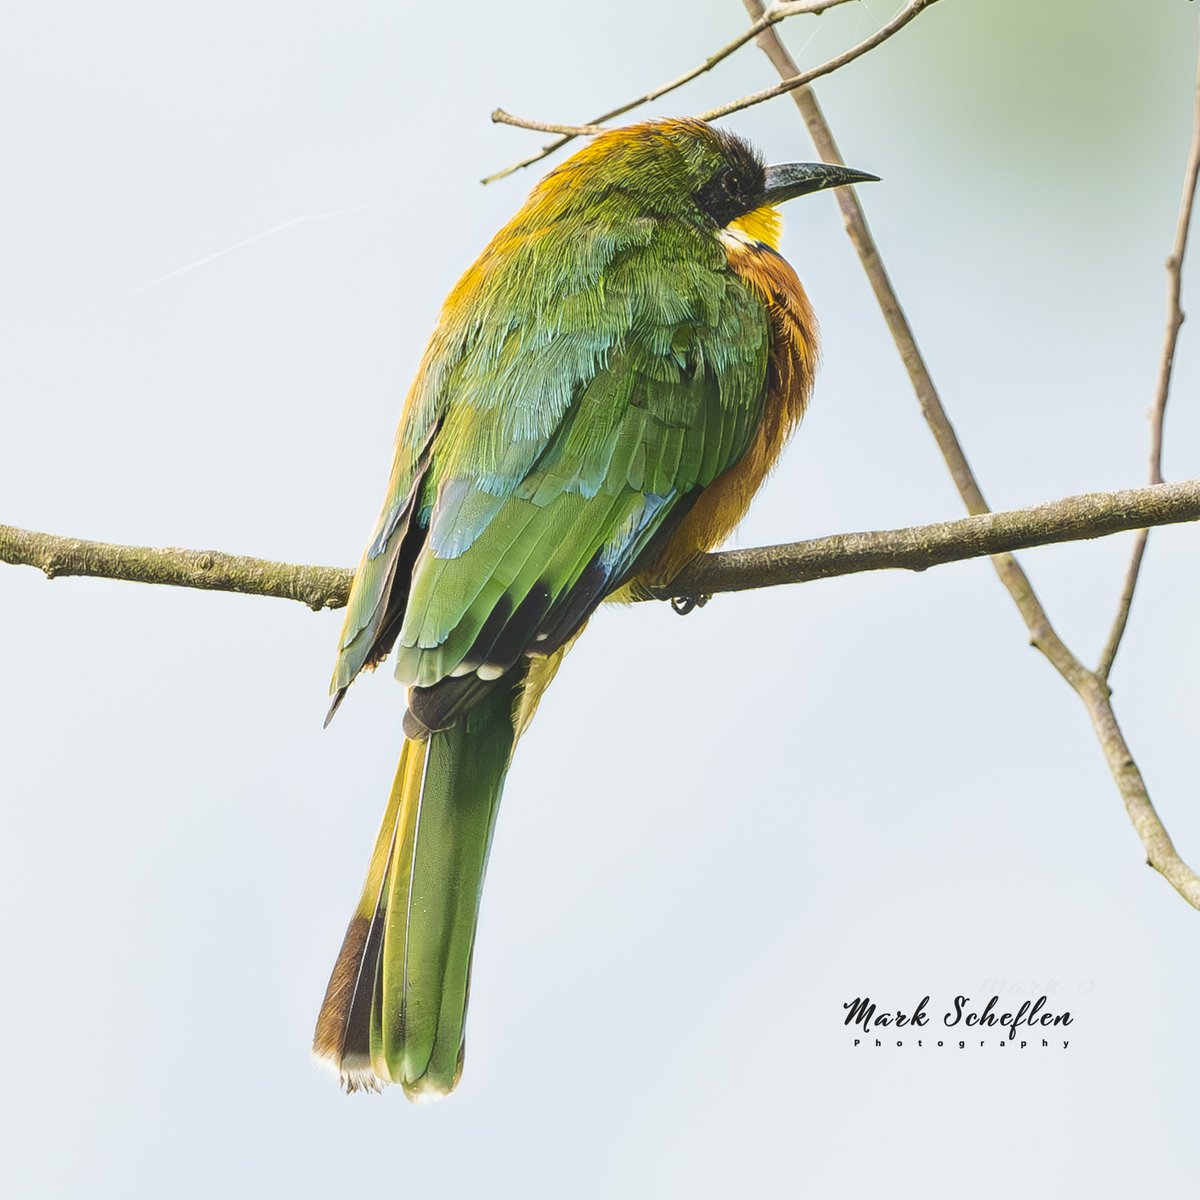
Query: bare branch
[772,15]
[1091,688]
[318,587]
[1095,514]
[501,117]
[936,417]
[799,79]
[1160,850]
[1175,318]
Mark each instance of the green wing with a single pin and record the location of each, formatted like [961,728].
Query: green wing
[575,399]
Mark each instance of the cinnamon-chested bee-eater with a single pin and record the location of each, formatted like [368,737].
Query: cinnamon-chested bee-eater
[606,389]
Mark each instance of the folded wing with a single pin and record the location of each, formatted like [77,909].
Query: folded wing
[546,448]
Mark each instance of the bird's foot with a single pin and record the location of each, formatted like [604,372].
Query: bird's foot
[685,604]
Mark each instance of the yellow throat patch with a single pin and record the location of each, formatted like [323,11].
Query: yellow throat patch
[763,224]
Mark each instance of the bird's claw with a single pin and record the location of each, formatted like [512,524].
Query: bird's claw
[684,604]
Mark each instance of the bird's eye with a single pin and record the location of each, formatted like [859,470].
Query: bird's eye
[727,194]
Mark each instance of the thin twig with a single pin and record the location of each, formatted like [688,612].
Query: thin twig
[799,79]
[1175,318]
[1091,688]
[777,12]
[501,117]
[1074,518]
[768,17]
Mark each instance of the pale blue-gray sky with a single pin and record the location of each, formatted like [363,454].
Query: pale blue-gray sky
[720,828]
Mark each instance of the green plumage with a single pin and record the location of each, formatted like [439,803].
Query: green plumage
[544,415]
[433,894]
[589,376]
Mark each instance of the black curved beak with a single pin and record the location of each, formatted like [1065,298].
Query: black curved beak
[789,180]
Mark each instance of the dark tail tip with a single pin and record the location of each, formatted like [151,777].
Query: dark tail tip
[338,697]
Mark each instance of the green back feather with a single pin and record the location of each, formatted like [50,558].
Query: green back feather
[594,359]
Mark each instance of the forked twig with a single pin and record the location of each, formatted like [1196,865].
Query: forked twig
[766,18]
[1091,687]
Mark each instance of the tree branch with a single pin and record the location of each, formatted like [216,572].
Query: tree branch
[1091,687]
[766,18]
[1095,514]
[1166,363]
[318,587]
[501,116]
[799,79]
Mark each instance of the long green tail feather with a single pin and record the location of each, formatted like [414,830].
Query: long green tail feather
[344,1033]
[410,941]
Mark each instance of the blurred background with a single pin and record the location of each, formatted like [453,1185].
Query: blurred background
[719,829]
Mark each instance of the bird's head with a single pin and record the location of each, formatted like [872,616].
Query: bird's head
[689,170]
